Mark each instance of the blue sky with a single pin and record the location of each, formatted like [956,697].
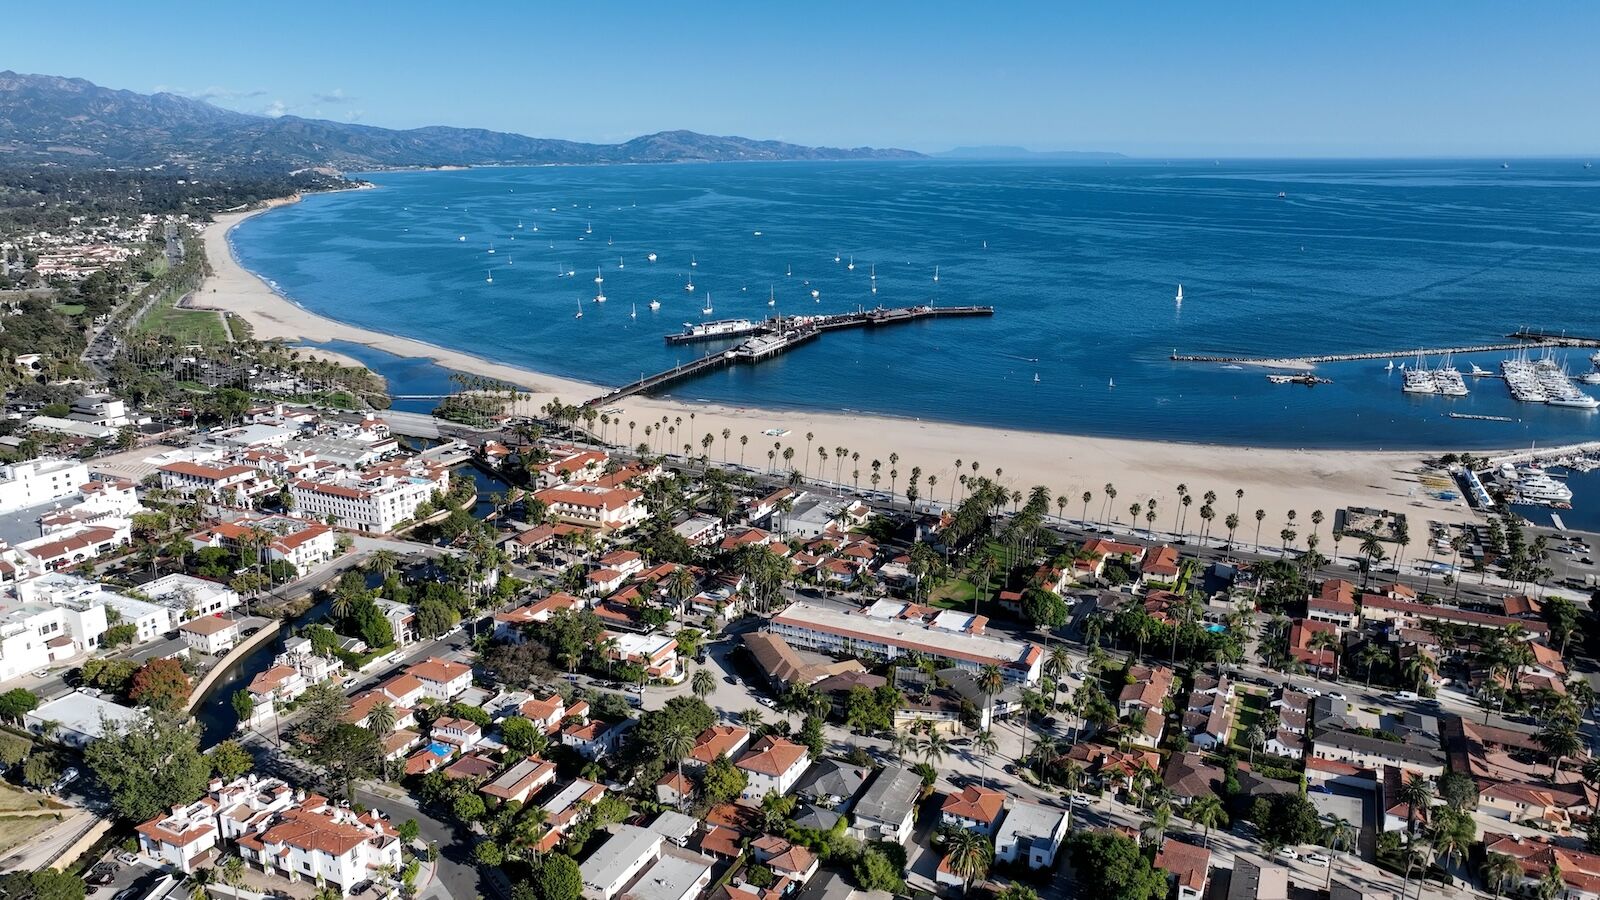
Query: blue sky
[1146,78]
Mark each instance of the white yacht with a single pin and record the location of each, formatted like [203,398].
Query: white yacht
[650,256]
[490,279]
[655,304]
[707,310]
[816,295]
[491,248]
[689,286]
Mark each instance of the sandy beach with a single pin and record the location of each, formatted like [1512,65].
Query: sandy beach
[1275,480]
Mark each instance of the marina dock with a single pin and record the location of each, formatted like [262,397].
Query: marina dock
[777,335]
[1303,362]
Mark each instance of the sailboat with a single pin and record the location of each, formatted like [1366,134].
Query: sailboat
[852,266]
[655,304]
[600,296]
[619,262]
[1179,298]
[580,310]
[589,228]
[692,261]
[490,279]
[519,224]
[1389,367]
[707,310]
[491,247]
[1111,382]
[598,279]
[772,297]
[835,257]
[816,295]
[651,257]
[788,272]
[874,273]
[935,273]
[634,313]
[690,285]
[1036,378]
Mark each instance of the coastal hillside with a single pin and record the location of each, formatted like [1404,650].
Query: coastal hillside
[70,121]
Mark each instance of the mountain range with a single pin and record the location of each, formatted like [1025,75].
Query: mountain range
[71,121]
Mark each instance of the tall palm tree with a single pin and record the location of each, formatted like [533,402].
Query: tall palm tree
[1500,870]
[970,855]
[678,744]
[986,745]
[1260,514]
[1337,835]
[991,682]
[1208,813]
[703,683]
[934,747]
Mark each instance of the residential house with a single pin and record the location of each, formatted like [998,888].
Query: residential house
[441,679]
[718,740]
[322,842]
[1335,604]
[974,808]
[1188,866]
[772,764]
[888,807]
[596,737]
[211,635]
[1030,834]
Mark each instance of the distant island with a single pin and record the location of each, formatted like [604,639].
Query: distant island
[73,122]
[1005,152]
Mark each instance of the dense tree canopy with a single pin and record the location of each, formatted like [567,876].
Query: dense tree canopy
[149,764]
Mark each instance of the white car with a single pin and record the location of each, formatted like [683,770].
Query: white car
[1337,696]
[1317,859]
[1288,853]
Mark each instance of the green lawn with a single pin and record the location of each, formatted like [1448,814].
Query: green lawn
[958,593]
[1251,708]
[70,309]
[186,326]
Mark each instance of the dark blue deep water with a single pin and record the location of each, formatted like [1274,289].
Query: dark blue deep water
[1081,262]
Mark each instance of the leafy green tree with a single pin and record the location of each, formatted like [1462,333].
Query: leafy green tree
[811,735]
[45,884]
[347,752]
[1291,819]
[1109,865]
[409,831]
[468,808]
[229,760]
[558,878]
[120,635]
[244,705]
[16,703]
[488,853]
[875,872]
[149,764]
[521,735]
[687,715]
[40,770]
[435,618]
[110,675]
[723,780]
[1044,608]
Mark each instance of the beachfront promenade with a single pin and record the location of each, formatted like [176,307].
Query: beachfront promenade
[780,334]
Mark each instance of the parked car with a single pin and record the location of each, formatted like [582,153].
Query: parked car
[1337,696]
[103,873]
[1317,859]
[1288,853]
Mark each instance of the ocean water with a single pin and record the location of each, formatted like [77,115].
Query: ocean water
[1081,263]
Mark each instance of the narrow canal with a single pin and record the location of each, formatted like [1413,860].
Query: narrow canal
[215,714]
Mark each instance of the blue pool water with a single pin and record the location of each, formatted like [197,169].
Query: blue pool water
[1081,263]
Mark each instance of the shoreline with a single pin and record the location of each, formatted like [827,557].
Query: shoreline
[1273,479]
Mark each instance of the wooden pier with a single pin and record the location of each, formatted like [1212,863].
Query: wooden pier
[783,333]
